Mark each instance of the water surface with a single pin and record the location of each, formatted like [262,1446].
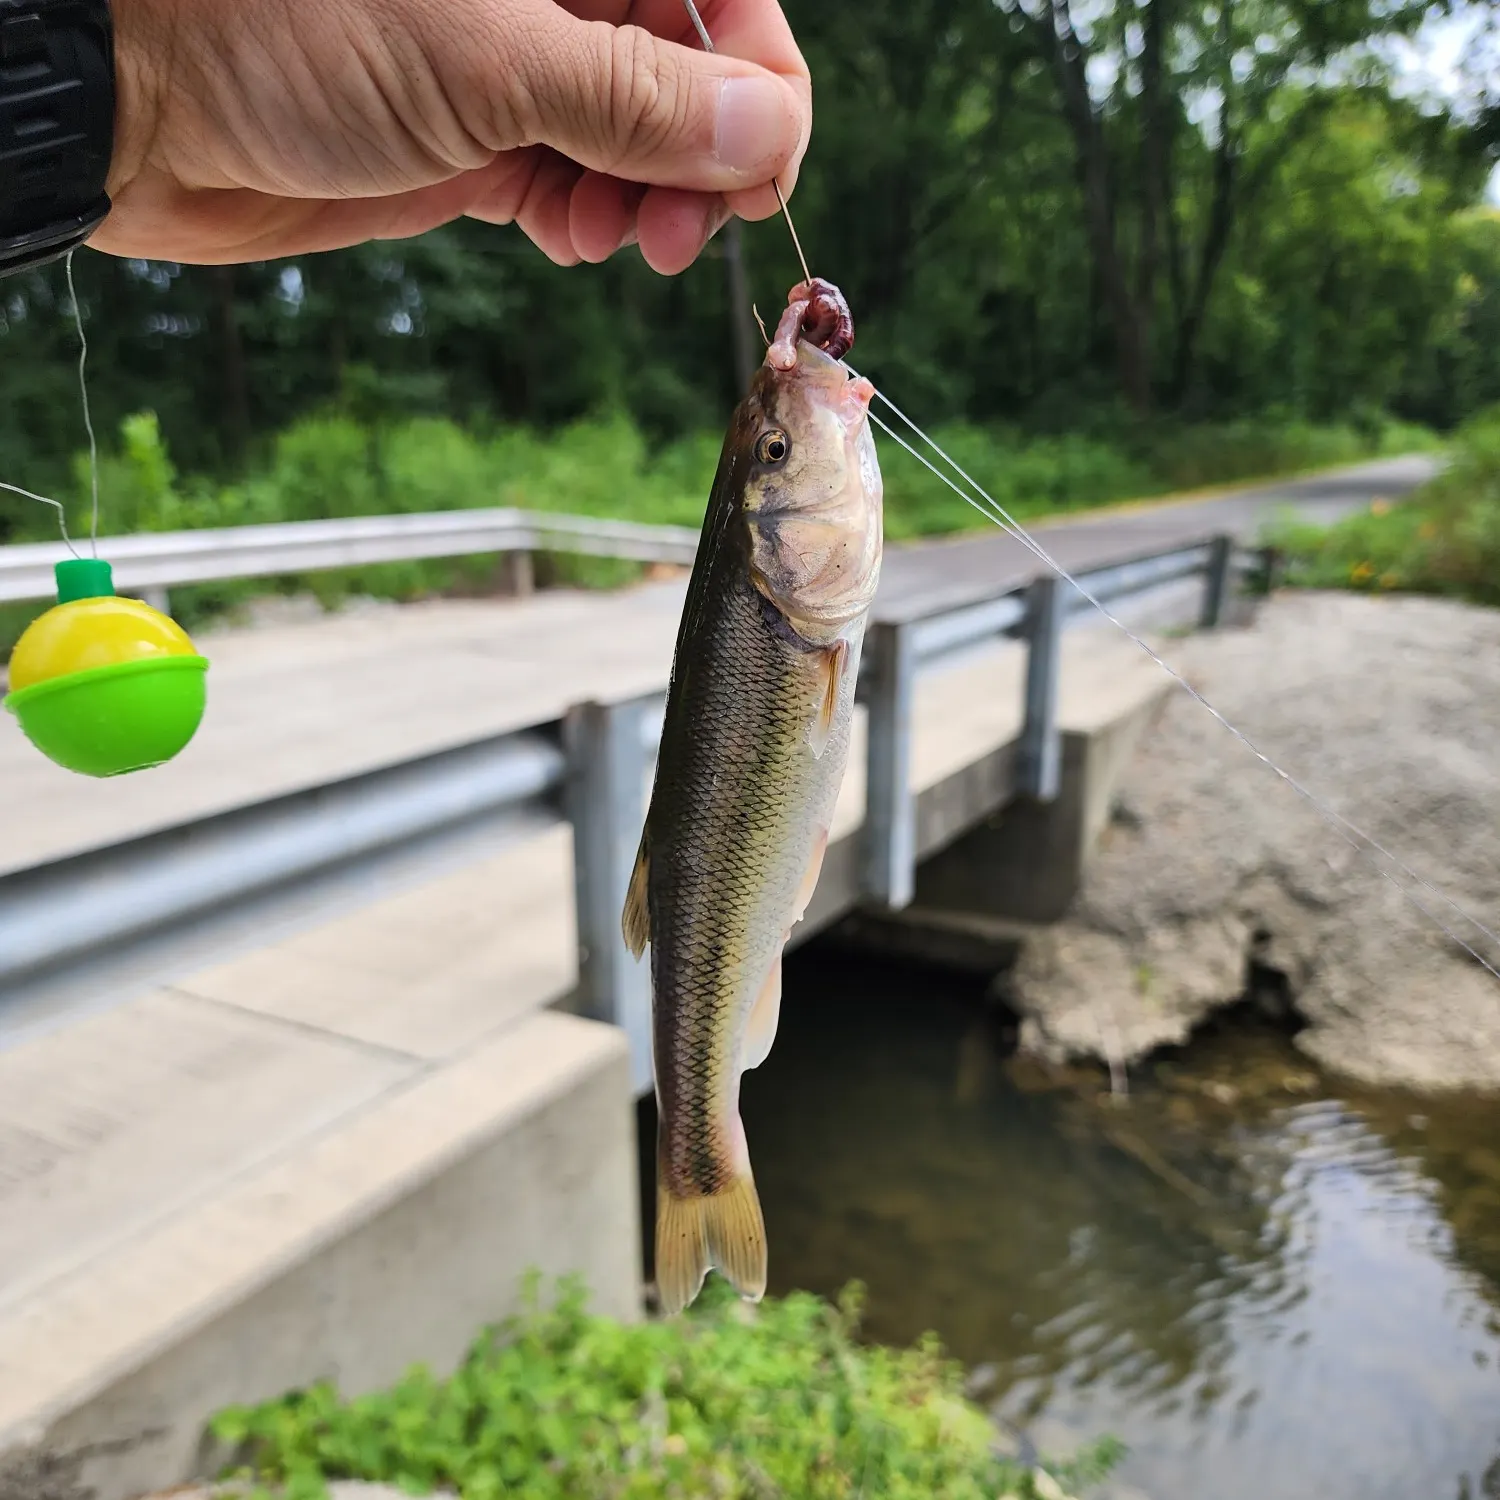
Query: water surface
[1267,1284]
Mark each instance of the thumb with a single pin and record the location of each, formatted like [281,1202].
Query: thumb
[619,100]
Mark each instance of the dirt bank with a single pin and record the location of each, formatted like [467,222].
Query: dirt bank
[1389,709]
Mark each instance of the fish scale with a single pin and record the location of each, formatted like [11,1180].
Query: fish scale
[729,760]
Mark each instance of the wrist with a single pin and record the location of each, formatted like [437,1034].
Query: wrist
[57,100]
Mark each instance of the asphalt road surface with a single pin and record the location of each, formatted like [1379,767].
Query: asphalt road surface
[943,572]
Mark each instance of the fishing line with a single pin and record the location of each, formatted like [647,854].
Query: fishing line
[786,213]
[1357,839]
[1008,523]
[83,392]
[88,423]
[57,505]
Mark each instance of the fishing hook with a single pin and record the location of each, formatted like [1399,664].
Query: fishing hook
[786,213]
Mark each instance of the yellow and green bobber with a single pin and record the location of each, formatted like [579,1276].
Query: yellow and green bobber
[103,685]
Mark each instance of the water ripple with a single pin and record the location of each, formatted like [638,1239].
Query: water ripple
[1265,1285]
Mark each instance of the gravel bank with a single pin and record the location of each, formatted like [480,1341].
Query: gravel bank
[1389,709]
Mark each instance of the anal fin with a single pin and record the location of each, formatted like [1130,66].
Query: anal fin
[765,1014]
[810,879]
[760,1029]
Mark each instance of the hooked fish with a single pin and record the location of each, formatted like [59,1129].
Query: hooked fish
[753,752]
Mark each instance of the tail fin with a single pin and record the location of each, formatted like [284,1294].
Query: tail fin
[724,1232]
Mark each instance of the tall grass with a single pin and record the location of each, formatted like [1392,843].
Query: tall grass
[1444,540]
[730,1402]
[332,465]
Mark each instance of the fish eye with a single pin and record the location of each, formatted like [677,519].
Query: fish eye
[772,447]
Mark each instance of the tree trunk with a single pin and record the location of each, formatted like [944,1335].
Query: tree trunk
[236,388]
[1211,257]
[1065,52]
[1155,148]
[746,355]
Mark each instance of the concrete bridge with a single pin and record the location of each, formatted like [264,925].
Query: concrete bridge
[312,1042]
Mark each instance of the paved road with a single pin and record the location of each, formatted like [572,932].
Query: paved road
[304,702]
[992,561]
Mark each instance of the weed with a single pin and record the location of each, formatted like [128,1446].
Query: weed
[731,1401]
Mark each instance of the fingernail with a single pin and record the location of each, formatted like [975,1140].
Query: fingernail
[752,125]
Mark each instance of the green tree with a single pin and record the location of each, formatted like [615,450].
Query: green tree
[1179,115]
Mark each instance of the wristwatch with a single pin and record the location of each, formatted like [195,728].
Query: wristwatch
[57,126]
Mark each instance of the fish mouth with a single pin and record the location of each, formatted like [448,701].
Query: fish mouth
[808,363]
[830,380]
[849,394]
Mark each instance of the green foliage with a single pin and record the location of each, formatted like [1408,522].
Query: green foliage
[1285,234]
[732,1402]
[335,465]
[1444,540]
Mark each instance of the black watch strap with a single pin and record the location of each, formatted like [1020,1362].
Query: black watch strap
[57,125]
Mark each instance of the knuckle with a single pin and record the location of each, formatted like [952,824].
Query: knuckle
[648,93]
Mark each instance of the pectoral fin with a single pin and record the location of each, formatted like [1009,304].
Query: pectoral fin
[835,662]
[636,921]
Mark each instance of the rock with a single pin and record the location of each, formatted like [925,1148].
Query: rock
[980,1382]
[1087,993]
[354,1489]
[1006,1445]
[1045,1487]
[40,1476]
[1387,709]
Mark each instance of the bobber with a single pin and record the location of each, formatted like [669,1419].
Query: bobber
[103,685]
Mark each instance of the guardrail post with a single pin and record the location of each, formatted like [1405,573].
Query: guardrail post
[607,805]
[159,599]
[1216,581]
[889,853]
[1039,758]
[517,574]
[1272,566]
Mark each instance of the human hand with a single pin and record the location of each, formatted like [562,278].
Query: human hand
[261,128]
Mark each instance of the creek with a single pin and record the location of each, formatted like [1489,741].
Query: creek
[1265,1282]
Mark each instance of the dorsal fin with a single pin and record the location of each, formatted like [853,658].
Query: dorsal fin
[635,923]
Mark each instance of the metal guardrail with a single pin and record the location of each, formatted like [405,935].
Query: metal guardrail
[589,768]
[151,563]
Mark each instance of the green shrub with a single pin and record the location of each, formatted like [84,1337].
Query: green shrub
[1445,539]
[337,465]
[728,1402]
